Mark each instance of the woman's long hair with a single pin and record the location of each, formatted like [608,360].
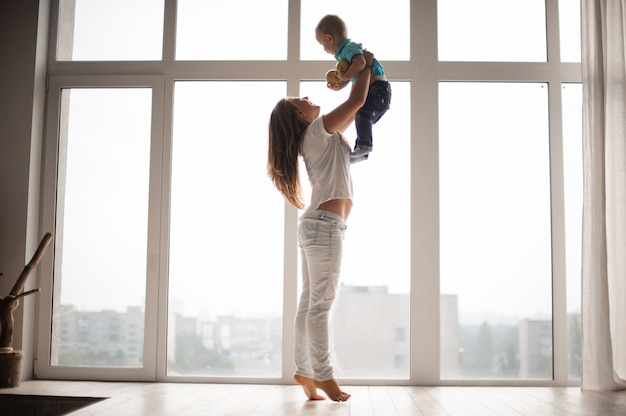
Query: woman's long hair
[286,130]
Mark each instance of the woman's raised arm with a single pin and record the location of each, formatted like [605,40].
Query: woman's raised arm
[341,116]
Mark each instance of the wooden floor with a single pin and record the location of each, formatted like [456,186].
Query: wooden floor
[157,399]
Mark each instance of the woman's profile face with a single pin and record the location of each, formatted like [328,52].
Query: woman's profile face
[306,109]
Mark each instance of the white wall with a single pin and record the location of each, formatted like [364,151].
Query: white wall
[23,60]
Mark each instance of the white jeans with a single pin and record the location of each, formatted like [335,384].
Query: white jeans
[320,236]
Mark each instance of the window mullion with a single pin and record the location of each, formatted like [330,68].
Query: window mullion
[552,31]
[559,307]
[424,197]
[169,31]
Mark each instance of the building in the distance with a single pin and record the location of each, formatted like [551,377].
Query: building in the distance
[535,348]
[100,339]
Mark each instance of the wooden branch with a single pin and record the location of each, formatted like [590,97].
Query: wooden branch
[30,292]
[10,302]
[19,284]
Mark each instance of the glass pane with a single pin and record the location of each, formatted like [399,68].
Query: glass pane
[101,228]
[231,30]
[110,30]
[496,281]
[492,30]
[569,24]
[226,233]
[573,172]
[382,29]
[375,275]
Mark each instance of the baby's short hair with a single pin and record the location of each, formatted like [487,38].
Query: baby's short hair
[332,25]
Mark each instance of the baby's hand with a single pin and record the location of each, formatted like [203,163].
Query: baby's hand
[341,69]
[334,87]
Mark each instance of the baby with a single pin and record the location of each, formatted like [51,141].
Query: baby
[332,34]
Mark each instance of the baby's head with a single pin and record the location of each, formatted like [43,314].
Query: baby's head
[330,32]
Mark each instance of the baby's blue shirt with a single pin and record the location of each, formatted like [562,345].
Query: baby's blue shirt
[348,49]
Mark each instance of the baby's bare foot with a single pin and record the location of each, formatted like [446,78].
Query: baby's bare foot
[308,385]
[332,390]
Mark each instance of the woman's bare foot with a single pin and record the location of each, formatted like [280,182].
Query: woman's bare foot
[332,390]
[308,385]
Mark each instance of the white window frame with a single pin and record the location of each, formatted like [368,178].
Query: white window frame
[51,151]
[424,72]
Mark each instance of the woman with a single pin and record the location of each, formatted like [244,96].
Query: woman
[296,128]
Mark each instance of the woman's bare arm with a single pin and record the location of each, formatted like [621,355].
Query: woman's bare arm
[345,126]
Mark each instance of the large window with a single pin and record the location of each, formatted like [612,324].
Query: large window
[492,30]
[375,276]
[384,30]
[110,30]
[572,167]
[231,30]
[495,230]
[226,245]
[175,258]
[569,23]
[101,227]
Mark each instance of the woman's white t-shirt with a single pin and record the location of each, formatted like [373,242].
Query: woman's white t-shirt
[327,160]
